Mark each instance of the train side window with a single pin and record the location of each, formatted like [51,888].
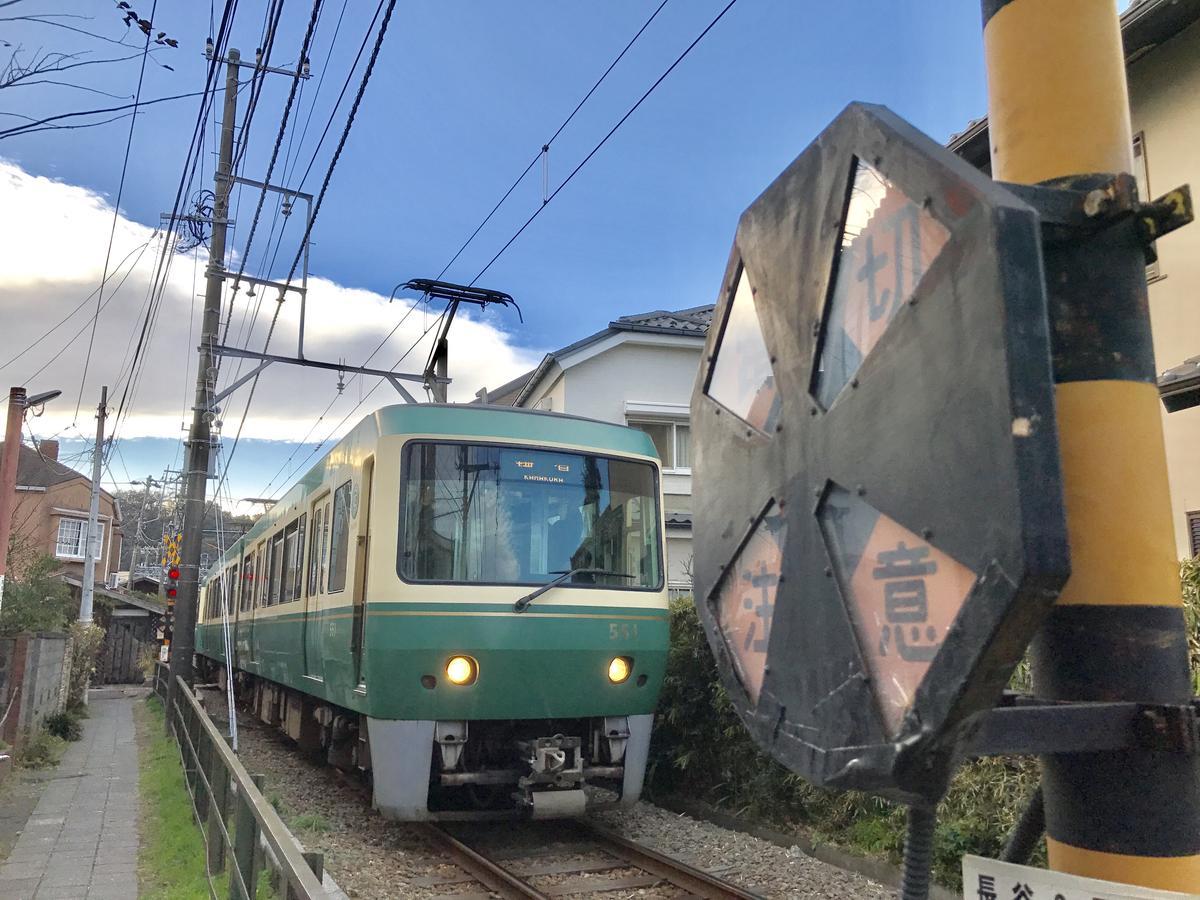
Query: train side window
[265,558]
[314,556]
[248,587]
[277,570]
[324,563]
[298,561]
[288,562]
[234,584]
[339,539]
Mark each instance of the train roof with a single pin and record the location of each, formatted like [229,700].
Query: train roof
[462,420]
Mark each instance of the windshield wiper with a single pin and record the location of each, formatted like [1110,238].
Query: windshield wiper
[522,604]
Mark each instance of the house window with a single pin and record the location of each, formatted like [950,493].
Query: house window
[672,440]
[72,538]
[1193,520]
[1141,174]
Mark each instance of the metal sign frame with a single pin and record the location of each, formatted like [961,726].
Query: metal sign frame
[946,428]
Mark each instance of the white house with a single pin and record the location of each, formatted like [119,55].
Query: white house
[638,371]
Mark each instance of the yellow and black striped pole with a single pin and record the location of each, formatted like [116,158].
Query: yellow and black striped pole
[1059,110]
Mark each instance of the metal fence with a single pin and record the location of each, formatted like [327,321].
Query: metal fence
[234,818]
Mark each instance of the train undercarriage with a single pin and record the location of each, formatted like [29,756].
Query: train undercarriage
[456,769]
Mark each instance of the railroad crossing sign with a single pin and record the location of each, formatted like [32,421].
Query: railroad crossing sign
[878,503]
[171,545]
[990,879]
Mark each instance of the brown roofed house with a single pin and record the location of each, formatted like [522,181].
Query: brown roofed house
[51,511]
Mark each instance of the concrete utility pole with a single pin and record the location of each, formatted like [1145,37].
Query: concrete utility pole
[92,549]
[199,448]
[1058,111]
[8,474]
[137,533]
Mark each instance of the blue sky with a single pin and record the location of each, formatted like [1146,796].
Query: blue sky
[464,95]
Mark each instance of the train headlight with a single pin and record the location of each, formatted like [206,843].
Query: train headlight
[462,670]
[619,669]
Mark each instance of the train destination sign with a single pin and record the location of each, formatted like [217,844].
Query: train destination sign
[879,526]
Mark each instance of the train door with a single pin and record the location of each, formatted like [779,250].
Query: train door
[361,546]
[311,628]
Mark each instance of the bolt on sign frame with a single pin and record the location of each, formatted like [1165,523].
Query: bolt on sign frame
[878,501]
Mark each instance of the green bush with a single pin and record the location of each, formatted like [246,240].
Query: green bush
[700,749]
[65,725]
[40,751]
[35,600]
[86,642]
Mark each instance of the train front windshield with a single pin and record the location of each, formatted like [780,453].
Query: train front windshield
[478,514]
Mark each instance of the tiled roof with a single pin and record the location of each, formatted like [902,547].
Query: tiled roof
[683,321]
[34,470]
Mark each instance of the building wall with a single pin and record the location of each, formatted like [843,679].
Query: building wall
[31,682]
[36,522]
[600,387]
[1164,93]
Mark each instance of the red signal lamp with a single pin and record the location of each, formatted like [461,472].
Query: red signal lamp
[171,592]
[173,573]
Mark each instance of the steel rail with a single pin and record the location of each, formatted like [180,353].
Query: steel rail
[693,880]
[492,875]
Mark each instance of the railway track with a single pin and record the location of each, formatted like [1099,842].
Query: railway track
[611,863]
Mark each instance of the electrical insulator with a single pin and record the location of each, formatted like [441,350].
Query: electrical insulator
[208,48]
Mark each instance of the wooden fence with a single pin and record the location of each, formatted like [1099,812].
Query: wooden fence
[229,807]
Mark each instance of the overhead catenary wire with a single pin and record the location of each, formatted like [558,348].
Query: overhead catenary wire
[466,243]
[116,216]
[604,140]
[158,284]
[350,118]
[545,149]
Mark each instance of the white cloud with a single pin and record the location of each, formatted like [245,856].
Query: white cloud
[52,244]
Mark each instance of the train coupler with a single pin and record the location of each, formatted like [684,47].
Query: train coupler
[554,786]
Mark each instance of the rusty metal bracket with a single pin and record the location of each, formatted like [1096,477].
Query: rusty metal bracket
[1024,726]
[1162,216]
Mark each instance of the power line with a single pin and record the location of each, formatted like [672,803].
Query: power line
[116,214]
[341,95]
[287,110]
[354,409]
[266,45]
[605,139]
[22,129]
[546,146]
[82,303]
[158,284]
[79,333]
[366,78]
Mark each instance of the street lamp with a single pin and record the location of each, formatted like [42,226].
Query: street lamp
[18,404]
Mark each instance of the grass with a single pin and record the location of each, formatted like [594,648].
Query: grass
[172,859]
[171,862]
[311,822]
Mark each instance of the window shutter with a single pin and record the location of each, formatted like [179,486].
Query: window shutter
[1193,520]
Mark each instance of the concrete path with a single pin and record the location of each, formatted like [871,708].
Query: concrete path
[82,839]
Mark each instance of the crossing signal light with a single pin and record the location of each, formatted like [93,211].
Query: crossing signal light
[172,582]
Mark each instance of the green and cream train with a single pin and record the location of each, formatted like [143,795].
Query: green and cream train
[467,603]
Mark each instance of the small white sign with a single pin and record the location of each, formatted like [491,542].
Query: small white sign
[990,879]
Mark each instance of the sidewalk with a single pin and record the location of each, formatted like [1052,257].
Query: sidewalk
[82,839]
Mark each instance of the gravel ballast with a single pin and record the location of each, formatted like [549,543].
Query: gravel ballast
[371,857]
